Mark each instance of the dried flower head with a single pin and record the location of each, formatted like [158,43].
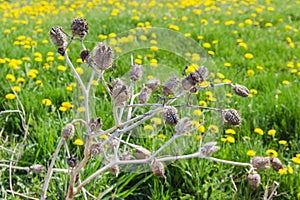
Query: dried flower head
[141,152]
[170,86]
[68,131]
[72,161]
[241,90]
[95,125]
[260,163]
[58,37]
[126,156]
[85,55]
[209,148]
[136,72]
[37,169]
[194,78]
[120,92]
[103,56]
[276,164]
[254,179]
[112,143]
[95,149]
[231,116]
[202,74]
[144,95]
[183,126]
[158,168]
[79,27]
[170,115]
[115,170]
[153,84]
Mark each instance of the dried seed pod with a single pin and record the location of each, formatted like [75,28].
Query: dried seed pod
[170,115]
[209,148]
[103,56]
[153,84]
[68,131]
[158,168]
[183,126]
[241,90]
[254,179]
[276,164]
[95,149]
[120,93]
[194,78]
[72,161]
[170,86]
[136,72]
[58,37]
[115,170]
[260,163]
[85,55]
[144,95]
[37,169]
[231,116]
[79,27]
[95,125]
[126,156]
[202,74]
[141,152]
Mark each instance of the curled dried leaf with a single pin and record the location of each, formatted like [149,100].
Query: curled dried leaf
[115,170]
[95,125]
[158,168]
[126,156]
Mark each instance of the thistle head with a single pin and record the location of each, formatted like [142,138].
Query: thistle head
[254,179]
[183,126]
[170,115]
[158,168]
[144,95]
[241,90]
[170,86]
[209,148]
[136,72]
[276,164]
[103,56]
[95,149]
[153,84]
[120,92]
[59,38]
[79,27]
[68,131]
[260,163]
[231,116]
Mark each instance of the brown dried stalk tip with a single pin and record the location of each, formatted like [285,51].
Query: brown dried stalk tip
[120,92]
[183,126]
[72,161]
[68,131]
[241,90]
[158,168]
[136,72]
[59,38]
[95,149]
[37,169]
[170,115]
[170,86]
[209,148]
[95,125]
[231,116]
[153,84]
[115,170]
[79,27]
[103,56]
[254,179]
[276,164]
[144,95]
[194,78]
[260,163]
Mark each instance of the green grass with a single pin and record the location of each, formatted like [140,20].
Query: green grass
[275,106]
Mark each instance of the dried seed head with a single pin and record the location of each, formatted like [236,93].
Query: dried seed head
[260,163]
[142,153]
[170,115]
[115,170]
[37,169]
[209,148]
[158,168]
[103,56]
[126,156]
[241,90]
[95,125]
[58,36]
[186,83]
[170,86]
[95,149]
[85,55]
[183,126]
[120,92]
[68,131]
[194,78]
[254,179]
[136,72]
[202,74]
[72,161]
[276,164]
[79,27]
[231,116]
[144,95]
[112,143]
[153,84]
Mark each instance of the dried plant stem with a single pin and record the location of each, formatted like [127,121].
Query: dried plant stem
[50,169]
[104,82]
[10,111]
[27,169]
[21,195]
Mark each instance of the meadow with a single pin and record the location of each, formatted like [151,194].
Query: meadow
[255,43]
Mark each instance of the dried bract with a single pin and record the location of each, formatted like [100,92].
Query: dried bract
[95,125]
[170,115]
[170,86]
[254,179]
[153,84]
[79,27]
[158,168]
[183,126]
[95,149]
[241,90]
[120,92]
[136,72]
[68,131]
[103,56]
[209,148]
[276,164]
[231,116]
[260,163]
[144,95]
[37,169]
[72,161]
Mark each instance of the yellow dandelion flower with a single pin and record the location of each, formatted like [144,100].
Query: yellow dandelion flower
[78,142]
[197,112]
[198,137]
[290,169]
[250,72]
[67,104]
[156,120]
[63,109]
[248,56]
[61,68]
[11,78]
[21,81]
[259,131]
[282,171]
[229,95]
[230,131]
[17,88]
[296,160]
[201,129]
[153,48]
[81,109]
[224,139]
[251,153]
[285,82]
[272,152]
[47,102]
[271,132]
[230,139]
[69,88]
[213,128]
[10,96]
[31,74]
[148,128]
[259,68]
[162,136]
[268,24]
[206,45]
[79,70]
[138,61]
[202,103]
[282,142]
[38,82]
